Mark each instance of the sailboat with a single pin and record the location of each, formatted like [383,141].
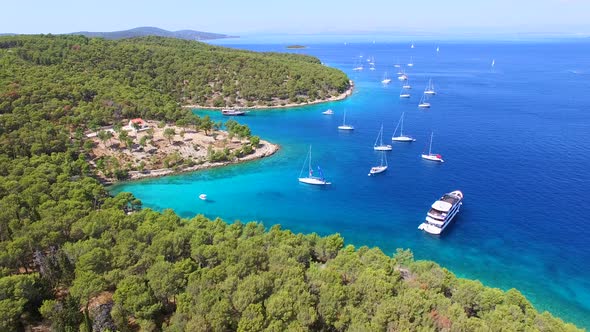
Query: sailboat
[406,85]
[403,77]
[381,146]
[424,102]
[430,89]
[358,65]
[386,79]
[412,46]
[404,94]
[401,137]
[493,62]
[381,168]
[430,156]
[311,179]
[344,126]
[411,63]
[437,49]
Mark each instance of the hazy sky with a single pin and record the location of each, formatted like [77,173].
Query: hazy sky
[297,16]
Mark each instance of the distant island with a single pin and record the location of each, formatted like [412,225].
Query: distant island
[296,46]
[153,31]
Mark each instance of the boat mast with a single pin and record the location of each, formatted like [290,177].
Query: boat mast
[401,131]
[310,170]
[430,147]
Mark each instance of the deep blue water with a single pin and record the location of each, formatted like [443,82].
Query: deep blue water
[515,139]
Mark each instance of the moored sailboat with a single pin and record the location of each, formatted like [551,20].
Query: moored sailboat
[404,94]
[406,85]
[311,178]
[381,167]
[386,79]
[430,89]
[403,76]
[344,126]
[381,146]
[424,102]
[401,137]
[432,156]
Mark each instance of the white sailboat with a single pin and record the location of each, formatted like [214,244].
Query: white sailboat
[430,88]
[381,146]
[424,102]
[403,77]
[401,137]
[412,46]
[381,168]
[358,64]
[411,63]
[344,126]
[406,85]
[432,156]
[404,94]
[386,79]
[310,178]
[437,49]
[493,62]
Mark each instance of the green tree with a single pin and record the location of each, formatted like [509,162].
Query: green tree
[206,124]
[134,295]
[255,141]
[169,134]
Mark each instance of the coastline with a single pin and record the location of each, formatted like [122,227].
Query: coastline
[342,96]
[264,149]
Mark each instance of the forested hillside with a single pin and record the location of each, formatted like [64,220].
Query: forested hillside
[172,71]
[74,258]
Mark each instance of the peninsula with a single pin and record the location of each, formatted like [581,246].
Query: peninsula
[145,149]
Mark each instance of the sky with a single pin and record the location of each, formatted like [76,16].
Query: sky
[299,16]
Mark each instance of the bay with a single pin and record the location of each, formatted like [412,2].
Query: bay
[514,138]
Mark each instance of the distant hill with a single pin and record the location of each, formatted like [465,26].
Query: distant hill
[152,31]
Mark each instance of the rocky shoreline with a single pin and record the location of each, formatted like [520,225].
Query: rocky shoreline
[264,149]
[342,96]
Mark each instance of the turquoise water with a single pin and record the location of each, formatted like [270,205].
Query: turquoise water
[514,139]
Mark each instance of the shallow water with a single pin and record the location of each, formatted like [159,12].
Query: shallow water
[514,139]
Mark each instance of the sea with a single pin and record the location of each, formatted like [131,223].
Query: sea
[515,140]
